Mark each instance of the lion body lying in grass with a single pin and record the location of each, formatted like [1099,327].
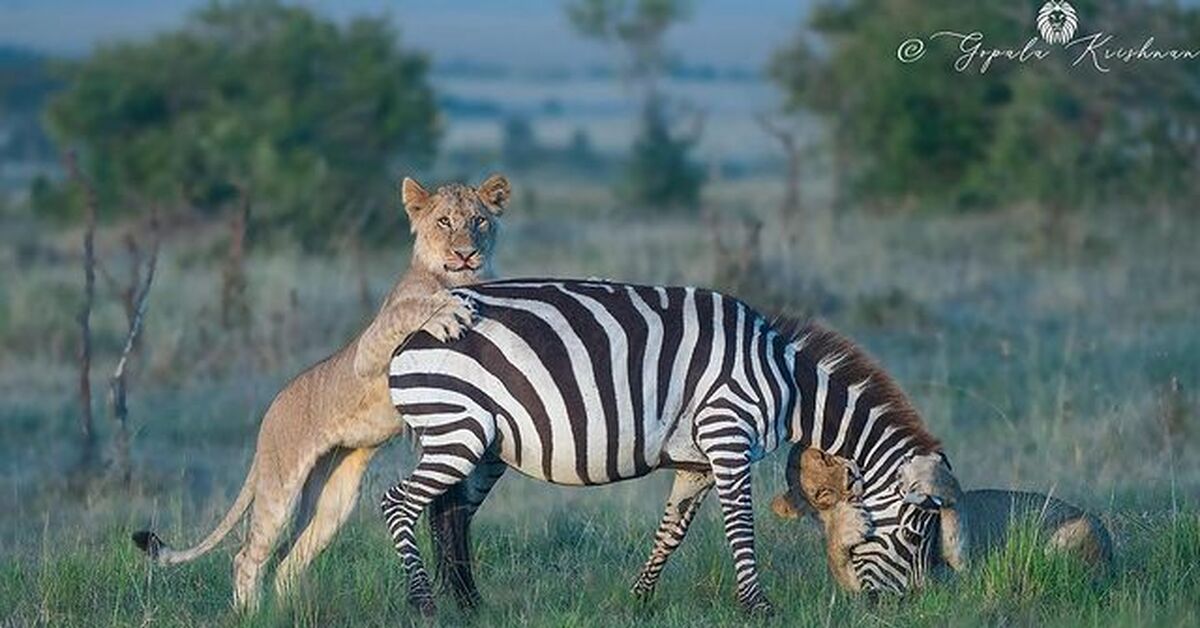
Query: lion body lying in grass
[321,431]
[972,523]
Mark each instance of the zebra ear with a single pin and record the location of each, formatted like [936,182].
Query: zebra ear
[926,481]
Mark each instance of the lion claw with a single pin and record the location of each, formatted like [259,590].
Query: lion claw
[454,315]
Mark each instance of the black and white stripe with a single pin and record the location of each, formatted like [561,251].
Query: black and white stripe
[584,382]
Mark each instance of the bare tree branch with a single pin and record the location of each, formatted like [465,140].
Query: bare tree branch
[792,150]
[117,384]
[86,424]
[235,312]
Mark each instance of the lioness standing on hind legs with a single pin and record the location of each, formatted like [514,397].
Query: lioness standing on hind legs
[333,416]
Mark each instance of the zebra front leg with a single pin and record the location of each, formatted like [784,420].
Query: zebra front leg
[687,494]
[728,450]
[439,468]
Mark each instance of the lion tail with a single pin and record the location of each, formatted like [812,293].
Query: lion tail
[158,551]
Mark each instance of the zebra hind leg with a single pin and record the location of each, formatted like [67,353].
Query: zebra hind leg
[439,468]
[450,526]
[687,495]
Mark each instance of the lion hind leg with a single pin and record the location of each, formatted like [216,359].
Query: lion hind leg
[278,490]
[1084,537]
[335,499]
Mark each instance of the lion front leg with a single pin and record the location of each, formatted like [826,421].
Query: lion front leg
[442,314]
[847,525]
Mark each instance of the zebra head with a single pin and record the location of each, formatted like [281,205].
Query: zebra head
[902,503]
[904,509]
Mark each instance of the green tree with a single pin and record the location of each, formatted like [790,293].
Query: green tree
[254,98]
[638,27]
[659,171]
[1043,132]
[519,147]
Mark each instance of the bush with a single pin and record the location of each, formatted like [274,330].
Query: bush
[306,116]
[1044,132]
[660,172]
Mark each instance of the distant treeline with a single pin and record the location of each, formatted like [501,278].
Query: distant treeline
[307,121]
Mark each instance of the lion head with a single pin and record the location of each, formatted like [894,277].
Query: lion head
[455,227]
[818,482]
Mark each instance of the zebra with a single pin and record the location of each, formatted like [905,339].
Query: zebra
[592,382]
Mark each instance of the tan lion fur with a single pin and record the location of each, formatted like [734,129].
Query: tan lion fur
[831,489]
[972,522]
[333,416]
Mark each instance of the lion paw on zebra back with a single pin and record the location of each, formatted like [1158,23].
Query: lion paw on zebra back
[452,316]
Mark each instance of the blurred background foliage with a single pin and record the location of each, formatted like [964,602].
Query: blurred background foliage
[1059,137]
[312,117]
[317,125]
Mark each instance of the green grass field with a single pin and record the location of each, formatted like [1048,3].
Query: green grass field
[1061,359]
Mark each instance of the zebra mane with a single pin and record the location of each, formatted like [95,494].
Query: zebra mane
[817,342]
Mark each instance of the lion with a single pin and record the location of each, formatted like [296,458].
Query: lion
[334,416]
[972,523]
[830,488]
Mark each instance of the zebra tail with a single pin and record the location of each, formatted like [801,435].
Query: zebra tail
[161,554]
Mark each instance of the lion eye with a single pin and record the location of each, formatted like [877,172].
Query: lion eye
[444,222]
[480,222]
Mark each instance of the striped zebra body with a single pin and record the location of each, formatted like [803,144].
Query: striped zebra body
[583,383]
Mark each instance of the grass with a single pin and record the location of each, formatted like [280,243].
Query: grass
[1064,364]
[574,568]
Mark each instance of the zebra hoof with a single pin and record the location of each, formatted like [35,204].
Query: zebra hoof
[761,607]
[643,597]
[425,606]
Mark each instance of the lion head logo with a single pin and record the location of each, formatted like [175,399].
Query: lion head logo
[1056,21]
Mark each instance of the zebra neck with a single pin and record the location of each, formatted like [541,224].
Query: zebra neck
[855,414]
[831,411]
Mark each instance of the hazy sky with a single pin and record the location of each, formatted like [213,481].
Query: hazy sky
[523,33]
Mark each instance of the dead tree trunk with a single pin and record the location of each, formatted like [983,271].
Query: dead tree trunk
[118,385]
[87,458]
[788,141]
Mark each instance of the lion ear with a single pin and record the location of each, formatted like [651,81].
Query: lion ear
[824,499]
[782,507]
[495,191]
[414,197]
[790,505]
